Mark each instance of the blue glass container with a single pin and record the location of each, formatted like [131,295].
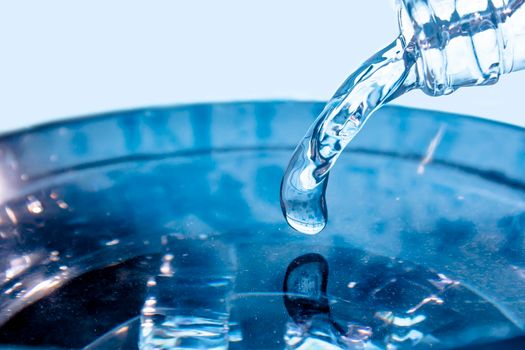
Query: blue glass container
[161,228]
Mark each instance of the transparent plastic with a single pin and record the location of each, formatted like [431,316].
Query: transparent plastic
[463,42]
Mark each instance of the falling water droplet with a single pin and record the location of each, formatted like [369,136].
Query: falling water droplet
[367,89]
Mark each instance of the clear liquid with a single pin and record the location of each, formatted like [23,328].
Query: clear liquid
[381,303]
[187,304]
[377,81]
[213,252]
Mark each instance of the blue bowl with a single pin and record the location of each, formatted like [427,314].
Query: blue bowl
[161,228]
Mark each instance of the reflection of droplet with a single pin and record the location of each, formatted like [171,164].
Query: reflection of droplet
[357,334]
[352,284]
[62,205]
[390,318]
[17,266]
[149,307]
[429,300]
[34,206]
[54,256]
[113,242]
[152,282]
[413,337]
[43,288]
[16,286]
[11,215]
[305,286]
[122,330]
[444,282]
[166,268]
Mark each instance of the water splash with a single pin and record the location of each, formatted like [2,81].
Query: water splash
[383,77]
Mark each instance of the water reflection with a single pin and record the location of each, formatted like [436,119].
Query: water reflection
[387,304]
[188,302]
[305,286]
[307,303]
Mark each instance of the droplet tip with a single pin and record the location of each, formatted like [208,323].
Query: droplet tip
[308,228]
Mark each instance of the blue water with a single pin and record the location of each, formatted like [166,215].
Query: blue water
[178,242]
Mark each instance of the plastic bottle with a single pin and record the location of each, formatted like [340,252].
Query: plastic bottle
[463,42]
[444,45]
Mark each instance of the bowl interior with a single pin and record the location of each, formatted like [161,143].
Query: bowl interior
[180,205]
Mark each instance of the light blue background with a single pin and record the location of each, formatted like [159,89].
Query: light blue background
[63,58]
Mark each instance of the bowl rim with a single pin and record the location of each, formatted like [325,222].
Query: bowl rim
[100,116]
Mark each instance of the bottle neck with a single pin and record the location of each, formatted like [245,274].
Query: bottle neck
[463,42]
